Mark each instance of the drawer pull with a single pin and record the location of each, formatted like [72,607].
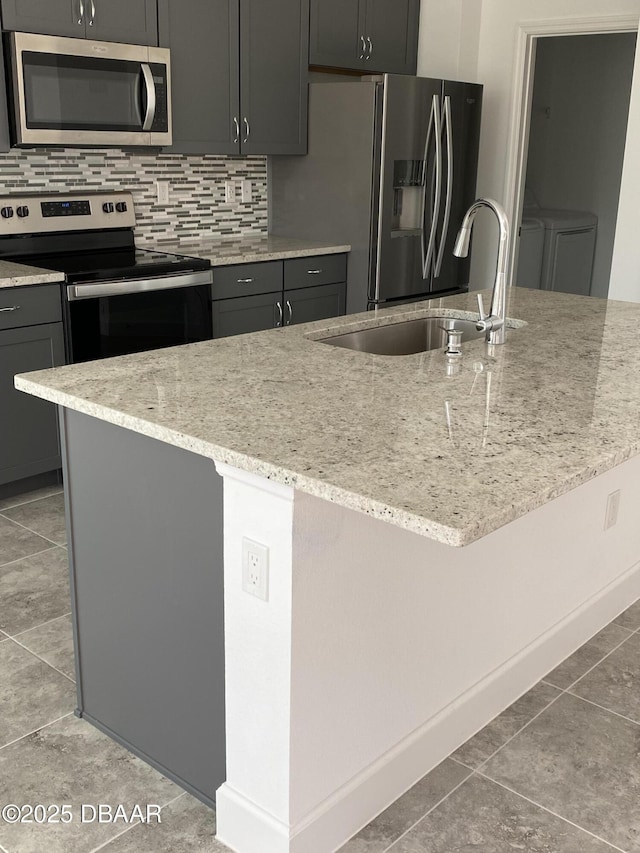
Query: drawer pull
[245,280]
[314,272]
[11,308]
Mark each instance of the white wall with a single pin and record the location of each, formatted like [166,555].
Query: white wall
[449,30]
[578,129]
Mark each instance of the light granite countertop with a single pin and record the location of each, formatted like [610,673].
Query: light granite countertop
[17,275]
[449,457]
[225,251]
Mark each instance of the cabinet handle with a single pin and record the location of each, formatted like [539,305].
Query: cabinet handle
[11,308]
[290,310]
[369,42]
[247,129]
[364,48]
[314,272]
[237,126]
[92,19]
[278,322]
[245,280]
[80,20]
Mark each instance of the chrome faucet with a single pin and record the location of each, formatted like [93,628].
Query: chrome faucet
[494,322]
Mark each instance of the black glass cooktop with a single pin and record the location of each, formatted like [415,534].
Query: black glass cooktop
[115,264]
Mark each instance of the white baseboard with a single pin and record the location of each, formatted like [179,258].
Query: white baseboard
[246,828]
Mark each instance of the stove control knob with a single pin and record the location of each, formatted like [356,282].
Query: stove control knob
[121,207]
[6,212]
[108,207]
[22,211]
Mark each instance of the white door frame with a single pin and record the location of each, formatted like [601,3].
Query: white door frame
[527,35]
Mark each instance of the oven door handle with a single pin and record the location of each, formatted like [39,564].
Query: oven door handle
[150,86]
[96,290]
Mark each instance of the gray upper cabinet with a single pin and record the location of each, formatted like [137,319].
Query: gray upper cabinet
[132,21]
[239,75]
[205,73]
[274,60]
[365,35]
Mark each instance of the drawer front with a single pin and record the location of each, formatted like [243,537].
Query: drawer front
[246,280]
[318,269]
[30,306]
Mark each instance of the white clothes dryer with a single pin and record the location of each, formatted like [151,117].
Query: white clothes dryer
[569,247]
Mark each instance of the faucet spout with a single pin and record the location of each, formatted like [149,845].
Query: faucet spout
[494,324]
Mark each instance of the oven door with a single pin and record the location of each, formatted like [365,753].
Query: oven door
[118,318]
[69,91]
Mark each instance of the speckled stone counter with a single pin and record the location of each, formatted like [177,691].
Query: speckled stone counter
[248,250]
[452,457]
[17,275]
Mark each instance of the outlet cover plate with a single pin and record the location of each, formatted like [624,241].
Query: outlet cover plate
[255,568]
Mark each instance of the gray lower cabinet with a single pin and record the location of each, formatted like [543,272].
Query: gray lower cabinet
[239,75]
[146,559]
[29,443]
[253,297]
[365,35]
[128,21]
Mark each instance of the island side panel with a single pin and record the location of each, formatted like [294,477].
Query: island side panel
[403,647]
[145,524]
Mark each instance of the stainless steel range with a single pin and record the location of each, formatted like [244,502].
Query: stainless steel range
[118,298]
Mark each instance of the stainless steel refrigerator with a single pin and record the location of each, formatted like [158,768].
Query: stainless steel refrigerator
[391,169]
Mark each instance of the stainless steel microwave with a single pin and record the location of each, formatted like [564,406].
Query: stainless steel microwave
[69,91]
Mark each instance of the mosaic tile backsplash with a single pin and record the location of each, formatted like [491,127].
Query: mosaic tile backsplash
[196,209]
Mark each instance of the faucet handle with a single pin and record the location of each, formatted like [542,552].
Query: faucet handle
[483,314]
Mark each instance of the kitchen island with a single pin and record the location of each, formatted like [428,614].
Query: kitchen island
[436,544]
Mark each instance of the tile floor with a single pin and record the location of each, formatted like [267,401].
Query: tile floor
[557,772]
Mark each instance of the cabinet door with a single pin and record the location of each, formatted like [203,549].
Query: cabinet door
[274,60]
[205,73]
[128,21]
[52,17]
[246,314]
[392,28]
[336,34]
[28,427]
[314,303]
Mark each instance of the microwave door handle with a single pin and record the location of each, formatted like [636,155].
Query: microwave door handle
[150,87]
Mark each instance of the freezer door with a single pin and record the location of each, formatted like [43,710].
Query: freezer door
[411,185]
[461,110]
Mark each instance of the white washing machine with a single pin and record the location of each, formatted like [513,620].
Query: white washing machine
[530,253]
[569,247]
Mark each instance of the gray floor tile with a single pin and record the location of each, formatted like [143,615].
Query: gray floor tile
[575,666]
[187,825]
[16,542]
[582,763]
[481,816]
[630,618]
[45,517]
[3,637]
[72,762]
[615,683]
[27,497]
[53,642]
[408,809]
[476,750]
[34,590]
[33,694]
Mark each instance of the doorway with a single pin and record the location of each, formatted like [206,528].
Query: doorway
[572,164]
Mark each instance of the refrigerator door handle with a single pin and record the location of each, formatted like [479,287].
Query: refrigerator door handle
[435,126]
[447,207]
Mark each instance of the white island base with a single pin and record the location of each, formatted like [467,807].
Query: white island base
[380,651]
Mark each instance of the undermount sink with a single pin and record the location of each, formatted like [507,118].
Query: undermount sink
[407,337]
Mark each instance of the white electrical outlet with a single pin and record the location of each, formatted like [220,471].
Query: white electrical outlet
[229,192]
[163,192]
[255,569]
[247,192]
[611,512]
